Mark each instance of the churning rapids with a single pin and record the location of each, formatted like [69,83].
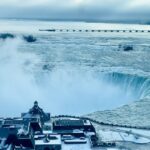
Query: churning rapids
[76,73]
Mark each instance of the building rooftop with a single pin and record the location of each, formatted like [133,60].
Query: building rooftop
[68,122]
[50,140]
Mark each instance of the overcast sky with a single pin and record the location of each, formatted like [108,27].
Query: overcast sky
[75,9]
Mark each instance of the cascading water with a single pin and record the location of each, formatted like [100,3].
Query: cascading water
[139,86]
[82,91]
[75,73]
[134,113]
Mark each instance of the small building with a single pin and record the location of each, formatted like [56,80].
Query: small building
[76,133]
[72,124]
[48,142]
[14,138]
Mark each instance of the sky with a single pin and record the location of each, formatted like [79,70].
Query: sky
[76,9]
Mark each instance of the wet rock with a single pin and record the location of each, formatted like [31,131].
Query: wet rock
[126,47]
[29,38]
[48,67]
[5,36]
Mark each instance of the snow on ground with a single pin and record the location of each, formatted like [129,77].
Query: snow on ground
[137,131]
[109,135]
[134,138]
[76,146]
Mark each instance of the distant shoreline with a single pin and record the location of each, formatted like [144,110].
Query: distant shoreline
[80,20]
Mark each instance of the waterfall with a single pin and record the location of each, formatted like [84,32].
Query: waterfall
[138,85]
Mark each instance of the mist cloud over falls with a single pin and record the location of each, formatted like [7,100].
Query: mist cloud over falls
[63,90]
[15,85]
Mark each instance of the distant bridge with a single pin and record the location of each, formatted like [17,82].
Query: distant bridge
[94,30]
